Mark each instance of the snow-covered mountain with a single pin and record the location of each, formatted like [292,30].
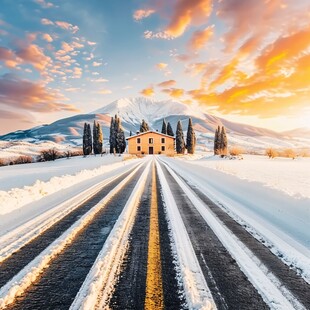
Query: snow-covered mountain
[133,110]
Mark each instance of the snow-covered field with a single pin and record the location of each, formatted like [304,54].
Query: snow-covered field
[10,150]
[284,174]
[271,198]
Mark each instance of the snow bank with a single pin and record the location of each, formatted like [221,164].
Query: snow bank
[19,197]
[271,293]
[198,295]
[100,281]
[19,283]
[289,176]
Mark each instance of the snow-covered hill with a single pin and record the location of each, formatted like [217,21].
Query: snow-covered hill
[133,110]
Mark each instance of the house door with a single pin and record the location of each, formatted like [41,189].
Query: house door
[151,150]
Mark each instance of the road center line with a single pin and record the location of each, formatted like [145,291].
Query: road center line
[154,286]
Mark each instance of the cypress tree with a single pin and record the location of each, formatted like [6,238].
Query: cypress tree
[223,141]
[164,127]
[144,126]
[179,141]
[112,136]
[95,138]
[130,133]
[190,138]
[170,130]
[99,139]
[120,141]
[89,140]
[85,140]
[217,141]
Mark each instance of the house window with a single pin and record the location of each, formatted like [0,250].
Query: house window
[150,140]
[163,148]
[138,148]
[138,140]
[162,140]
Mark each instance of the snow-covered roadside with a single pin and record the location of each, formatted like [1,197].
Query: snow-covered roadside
[22,234]
[100,280]
[292,177]
[27,275]
[198,295]
[18,197]
[266,284]
[281,221]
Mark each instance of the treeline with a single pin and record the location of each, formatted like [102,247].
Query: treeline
[92,142]
[220,141]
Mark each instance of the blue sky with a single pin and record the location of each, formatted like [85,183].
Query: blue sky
[231,57]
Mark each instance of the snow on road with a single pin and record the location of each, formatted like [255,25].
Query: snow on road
[270,214]
[269,291]
[101,279]
[197,292]
[19,283]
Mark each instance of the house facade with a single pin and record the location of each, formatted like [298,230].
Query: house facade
[150,142]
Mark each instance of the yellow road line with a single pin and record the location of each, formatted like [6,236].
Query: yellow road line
[154,297]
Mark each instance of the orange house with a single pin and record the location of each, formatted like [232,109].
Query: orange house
[150,142]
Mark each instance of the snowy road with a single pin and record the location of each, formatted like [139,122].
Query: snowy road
[144,239]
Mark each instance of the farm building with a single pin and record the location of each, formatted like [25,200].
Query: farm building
[151,142]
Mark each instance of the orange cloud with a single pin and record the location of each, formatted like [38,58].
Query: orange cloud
[45,21]
[201,37]
[167,84]
[47,37]
[161,66]
[23,94]
[187,12]
[104,91]
[34,54]
[141,14]
[148,92]
[77,72]
[9,58]
[174,92]
[67,26]
[196,68]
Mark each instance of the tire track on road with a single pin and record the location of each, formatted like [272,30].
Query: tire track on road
[18,260]
[293,286]
[229,286]
[60,281]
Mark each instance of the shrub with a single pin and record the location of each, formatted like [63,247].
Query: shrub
[271,153]
[2,162]
[289,153]
[235,151]
[49,155]
[22,160]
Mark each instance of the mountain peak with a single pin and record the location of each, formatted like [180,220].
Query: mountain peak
[132,110]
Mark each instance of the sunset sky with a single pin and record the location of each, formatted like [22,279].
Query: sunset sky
[244,60]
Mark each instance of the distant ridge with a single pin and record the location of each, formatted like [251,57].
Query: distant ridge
[133,110]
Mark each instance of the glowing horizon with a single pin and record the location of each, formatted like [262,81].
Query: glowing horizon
[246,61]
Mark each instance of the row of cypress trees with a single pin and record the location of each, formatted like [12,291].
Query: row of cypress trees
[220,141]
[117,136]
[92,143]
[190,144]
[167,129]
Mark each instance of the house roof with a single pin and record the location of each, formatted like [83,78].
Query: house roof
[150,131]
